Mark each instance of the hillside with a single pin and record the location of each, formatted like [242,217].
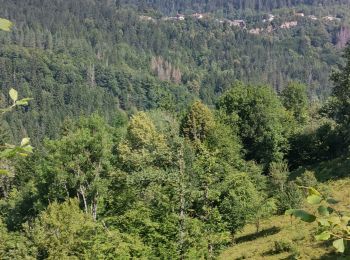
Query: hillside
[201,130]
[141,64]
[285,238]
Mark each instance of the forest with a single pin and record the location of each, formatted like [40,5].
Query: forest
[229,6]
[127,132]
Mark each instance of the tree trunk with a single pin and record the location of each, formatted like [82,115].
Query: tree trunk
[94,207]
[84,198]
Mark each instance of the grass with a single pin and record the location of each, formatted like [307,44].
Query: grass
[327,170]
[284,237]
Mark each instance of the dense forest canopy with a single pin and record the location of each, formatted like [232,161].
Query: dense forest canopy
[161,133]
[129,62]
[169,6]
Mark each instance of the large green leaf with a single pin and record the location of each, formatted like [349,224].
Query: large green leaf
[303,215]
[27,149]
[313,191]
[314,199]
[23,102]
[5,25]
[323,211]
[325,235]
[339,245]
[25,141]
[13,94]
[323,222]
[332,201]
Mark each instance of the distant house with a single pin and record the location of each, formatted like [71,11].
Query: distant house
[287,25]
[331,18]
[256,31]
[146,18]
[198,16]
[180,17]
[300,14]
[237,23]
[312,17]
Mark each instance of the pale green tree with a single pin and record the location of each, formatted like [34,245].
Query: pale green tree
[198,122]
[143,146]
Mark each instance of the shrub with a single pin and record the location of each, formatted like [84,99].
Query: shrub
[307,179]
[290,198]
[286,246]
[283,246]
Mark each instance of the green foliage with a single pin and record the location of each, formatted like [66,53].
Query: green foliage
[341,89]
[295,100]
[264,210]
[302,214]
[15,102]
[141,131]
[78,165]
[288,195]
[292,197]
[14,245]
[235,6]
[198,122]
[333,223]
[107,65]
[56,231]
[319,141]
[65,89]
[143,145]
[11,151]
[8,151]
[64,231]
[153,186]
[279,175]
[338,109]
[241,203]
[307,179]
[227,144]
[17,202]
[283,246]
[261,120]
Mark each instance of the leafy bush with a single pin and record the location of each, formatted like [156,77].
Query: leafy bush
[283,246]
[307,179]
[290,198]
[288,194]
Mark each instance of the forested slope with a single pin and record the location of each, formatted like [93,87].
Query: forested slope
[165,137]
[70,86]
[130,63]
[169,6]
